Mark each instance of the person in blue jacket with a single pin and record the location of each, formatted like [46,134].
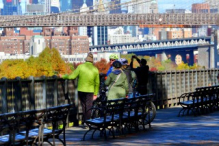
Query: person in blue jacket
[113,57]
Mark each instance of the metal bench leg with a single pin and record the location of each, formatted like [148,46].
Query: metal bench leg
[86,134]
[93,134]
[180,112]
[104,132]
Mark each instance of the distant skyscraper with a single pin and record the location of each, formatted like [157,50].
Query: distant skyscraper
[47,5]
[77,4]
[34,1]
[200,8]
[214,5]
[11,7]
[55,6]
[142,6]
[83,10]
[99,34]
[115,7]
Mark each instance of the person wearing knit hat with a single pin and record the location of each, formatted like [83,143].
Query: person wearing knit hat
[117,82]
[88,84]
[89,58]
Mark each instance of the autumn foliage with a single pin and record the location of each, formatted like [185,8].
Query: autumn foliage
[48,63]
[156,65]
[102,66]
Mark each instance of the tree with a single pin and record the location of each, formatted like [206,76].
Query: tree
[14,68]
[58,65]
[182,66]
[195,66]
[168,65]
[32,66]
[44,66]
[102,66]
[69,68]
[154,63]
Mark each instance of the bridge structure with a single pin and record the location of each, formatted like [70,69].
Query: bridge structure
[72,19]
[207,51]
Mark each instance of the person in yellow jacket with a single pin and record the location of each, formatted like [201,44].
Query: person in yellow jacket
[88,84]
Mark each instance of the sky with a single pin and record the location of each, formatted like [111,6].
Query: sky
[176,4]
[162,4]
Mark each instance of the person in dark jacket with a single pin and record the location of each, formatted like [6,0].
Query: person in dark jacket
[141,73]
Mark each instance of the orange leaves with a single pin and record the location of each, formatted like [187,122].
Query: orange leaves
[102,66]
[48,63]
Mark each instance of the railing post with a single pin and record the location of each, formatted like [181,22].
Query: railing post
[67,91]
[4,95]
[18,96]
[32,104]
[44,92]
[55,91]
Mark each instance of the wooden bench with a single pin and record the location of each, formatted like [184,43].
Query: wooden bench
[119,114]
[202,100]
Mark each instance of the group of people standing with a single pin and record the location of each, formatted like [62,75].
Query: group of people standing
[124,78]
[121,79]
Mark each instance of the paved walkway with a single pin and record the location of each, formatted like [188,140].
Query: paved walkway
[167,129]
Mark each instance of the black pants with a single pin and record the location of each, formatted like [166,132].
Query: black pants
[86,103]
[142,89]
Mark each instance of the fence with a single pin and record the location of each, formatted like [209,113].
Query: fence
[167,86]
[36,93]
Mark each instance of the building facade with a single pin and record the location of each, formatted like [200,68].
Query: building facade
[77,4]
[11,7]
[117,36]
[214,5]
[115,6]
[83,10]
[200,8]
[37,45]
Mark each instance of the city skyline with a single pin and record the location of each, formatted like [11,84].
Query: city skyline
[162,4]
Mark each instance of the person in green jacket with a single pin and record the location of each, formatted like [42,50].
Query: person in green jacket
[88,84]
[117,82]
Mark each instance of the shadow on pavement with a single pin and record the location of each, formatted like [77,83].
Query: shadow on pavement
[166,129]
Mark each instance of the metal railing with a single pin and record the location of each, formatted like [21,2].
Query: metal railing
[168,86]
[37,93]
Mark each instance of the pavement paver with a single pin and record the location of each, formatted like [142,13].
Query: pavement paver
[167,129]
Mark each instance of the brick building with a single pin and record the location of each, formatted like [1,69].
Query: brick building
[175,33]
[79,44]
[200,8]
[65,39]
